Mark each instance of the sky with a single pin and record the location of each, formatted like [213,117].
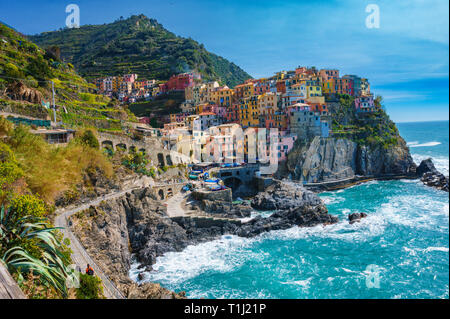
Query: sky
[406,59]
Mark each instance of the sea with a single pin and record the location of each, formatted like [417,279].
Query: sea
[401,250]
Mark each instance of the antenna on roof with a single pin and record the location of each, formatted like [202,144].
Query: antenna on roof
[53,101]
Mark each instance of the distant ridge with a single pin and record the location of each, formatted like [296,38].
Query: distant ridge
[5,24]
[138,45]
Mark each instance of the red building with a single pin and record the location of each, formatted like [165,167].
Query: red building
[281,86]
[177,83]
[344,86]
[233,113]
[319,107]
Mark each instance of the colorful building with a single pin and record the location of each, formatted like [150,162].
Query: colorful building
[177,83]
[365,104]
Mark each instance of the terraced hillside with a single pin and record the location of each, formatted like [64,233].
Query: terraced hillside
[138,45]
[26,75]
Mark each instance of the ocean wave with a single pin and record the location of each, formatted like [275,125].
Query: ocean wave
[328,200]
[221,255]
[428,144]
[441,163]
[443,249]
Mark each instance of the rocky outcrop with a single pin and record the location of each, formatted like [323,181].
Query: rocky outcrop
[430,176]
[138,224]
[19,91]
[111,231]
[293,205]
[331,159]
[356,217]
[285,196]
[226,209]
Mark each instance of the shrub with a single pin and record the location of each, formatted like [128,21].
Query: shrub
[10,173]
[28,205]
[50,171]
[90,287]
[88,138]
[6,127]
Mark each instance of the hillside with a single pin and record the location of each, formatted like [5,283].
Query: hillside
[138,45]
[26,73]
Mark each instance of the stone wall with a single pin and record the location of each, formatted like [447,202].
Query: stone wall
[225,195]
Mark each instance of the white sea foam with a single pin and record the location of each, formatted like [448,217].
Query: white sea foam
[441,163]
[222,255]
[428,249]
[304,283]
[230,252]
[328,200]
[428,144]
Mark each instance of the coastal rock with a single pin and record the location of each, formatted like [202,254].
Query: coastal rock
[430,176]
[332,159]
[137,223]
[284,196]
[111,230]
[356,217]
[226,209]
[436,179]
[426,166]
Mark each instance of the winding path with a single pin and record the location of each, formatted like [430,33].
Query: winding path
[79,255]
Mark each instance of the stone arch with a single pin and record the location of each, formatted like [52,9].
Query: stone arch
[107,144]
[121,147]
[161,194]
[169,160]
[132,149]
[161,159]
[232,182]
[169,192]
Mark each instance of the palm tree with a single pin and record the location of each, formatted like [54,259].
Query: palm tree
[51,266]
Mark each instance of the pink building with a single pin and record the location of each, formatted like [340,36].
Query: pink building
[365,104]
[177,83]
[130,78]
[285,144]
[220,111]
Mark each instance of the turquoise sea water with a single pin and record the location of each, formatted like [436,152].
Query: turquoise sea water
[403,245]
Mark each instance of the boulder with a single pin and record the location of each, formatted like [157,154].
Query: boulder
[356,217]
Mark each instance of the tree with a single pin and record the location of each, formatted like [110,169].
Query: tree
[90,287]
[88,138]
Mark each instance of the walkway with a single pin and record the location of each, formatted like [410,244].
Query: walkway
[9,289]
[79,255]
[174,208]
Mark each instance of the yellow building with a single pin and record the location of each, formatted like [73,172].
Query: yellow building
[116,82]
[222,96]
[249,113]
[328,86]
[243,91]
[313,87]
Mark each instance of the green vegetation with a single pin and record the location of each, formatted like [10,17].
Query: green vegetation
[46,170]
[374,130]
[90,287]
[30,246]
[33,174]
[138,45]
[88,138]
[138,162]
[162,105]
[26,73]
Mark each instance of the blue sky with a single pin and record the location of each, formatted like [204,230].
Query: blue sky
[406,59]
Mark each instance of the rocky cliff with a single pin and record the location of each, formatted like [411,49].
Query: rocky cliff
[138,224]
[329,159]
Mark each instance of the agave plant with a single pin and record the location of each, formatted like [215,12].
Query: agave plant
[51,266]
